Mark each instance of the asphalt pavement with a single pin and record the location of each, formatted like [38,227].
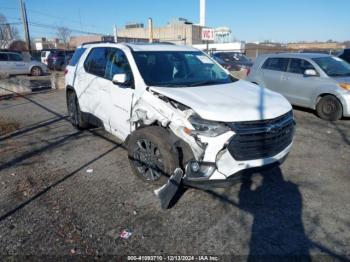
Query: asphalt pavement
[69,193]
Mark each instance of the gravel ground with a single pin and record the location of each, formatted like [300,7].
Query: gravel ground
[51,206]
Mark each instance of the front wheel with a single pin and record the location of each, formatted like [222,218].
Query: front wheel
[151,155]
[329,108]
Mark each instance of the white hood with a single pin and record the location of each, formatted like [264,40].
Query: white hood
[238,101]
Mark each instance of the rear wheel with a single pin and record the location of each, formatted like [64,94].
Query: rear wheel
[329,108]
[36,71]
[75,115]
[151,156]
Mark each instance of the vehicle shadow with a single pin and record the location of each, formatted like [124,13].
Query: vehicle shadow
[276,206]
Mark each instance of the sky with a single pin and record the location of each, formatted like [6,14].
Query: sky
[252,20]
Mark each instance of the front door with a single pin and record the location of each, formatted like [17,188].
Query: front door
[299,88]
[17,65]
[4,63]
[118,98]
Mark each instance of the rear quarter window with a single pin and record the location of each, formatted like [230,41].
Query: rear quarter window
[76,56]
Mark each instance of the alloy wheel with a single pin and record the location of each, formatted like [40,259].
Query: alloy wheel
[149,161]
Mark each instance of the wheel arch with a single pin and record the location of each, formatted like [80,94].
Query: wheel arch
[318,98]
[179,147]
[32,66]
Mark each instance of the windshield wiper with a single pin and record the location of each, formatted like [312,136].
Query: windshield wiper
[204,83]
[347,74]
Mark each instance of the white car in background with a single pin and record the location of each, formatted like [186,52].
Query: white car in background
[14,64]
[175,107]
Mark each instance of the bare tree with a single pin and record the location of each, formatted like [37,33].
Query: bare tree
[7,31]
[63,34]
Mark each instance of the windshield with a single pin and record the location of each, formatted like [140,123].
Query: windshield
[236,57]
[333,66]
[179,69]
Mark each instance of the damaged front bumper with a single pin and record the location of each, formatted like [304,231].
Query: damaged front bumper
[248,148]
[228,171]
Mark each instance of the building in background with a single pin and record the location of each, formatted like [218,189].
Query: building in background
[317,46]
[44,43]
[177,31]
[13,45]
[75,41]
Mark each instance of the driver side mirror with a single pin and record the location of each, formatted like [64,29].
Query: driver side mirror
[310,72]
[120,79]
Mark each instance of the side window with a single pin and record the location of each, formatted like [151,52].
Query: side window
[276,64]
[117,63]
[76,56]
[15,57]
[96,61]
[298,66]
[3,57]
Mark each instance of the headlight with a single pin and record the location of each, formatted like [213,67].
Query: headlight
[345,86]
[206,128]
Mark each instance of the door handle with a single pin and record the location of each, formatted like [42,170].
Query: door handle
[285,78]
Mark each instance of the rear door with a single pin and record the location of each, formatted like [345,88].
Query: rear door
[17,65]
[272,72]
[299,88]
[4,64]
[87,84]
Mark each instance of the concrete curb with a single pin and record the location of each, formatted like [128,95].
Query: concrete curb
[24,85]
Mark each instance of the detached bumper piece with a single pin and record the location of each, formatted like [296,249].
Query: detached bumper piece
[261,139]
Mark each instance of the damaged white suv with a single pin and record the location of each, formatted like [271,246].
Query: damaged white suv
[175,107]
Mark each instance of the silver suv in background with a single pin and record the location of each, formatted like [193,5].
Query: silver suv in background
[14,64]
[317,81]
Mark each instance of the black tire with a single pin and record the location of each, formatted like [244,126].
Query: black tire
[74,113]
[156,165]
[329,108]
[36,71]
[62,67]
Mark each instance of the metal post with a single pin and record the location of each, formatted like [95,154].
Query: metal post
[150,30]
[25,24]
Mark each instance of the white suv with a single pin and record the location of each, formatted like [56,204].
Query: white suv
[175,107]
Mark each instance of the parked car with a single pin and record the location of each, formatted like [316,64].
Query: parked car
[175,107]
[58,60]
[36,55]
[316,81]
[345,55]
[13,64]
[45,55]
[233,61]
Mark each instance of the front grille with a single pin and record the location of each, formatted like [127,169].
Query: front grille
[261,139]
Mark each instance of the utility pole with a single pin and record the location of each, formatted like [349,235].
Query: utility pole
[150,30]
[25,24]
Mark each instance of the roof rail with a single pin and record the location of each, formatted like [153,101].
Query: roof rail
[97,42]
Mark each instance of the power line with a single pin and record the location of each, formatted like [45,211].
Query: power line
[9,8]
[63,18]
[18,23]
[55,27]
